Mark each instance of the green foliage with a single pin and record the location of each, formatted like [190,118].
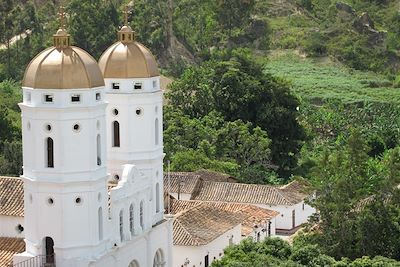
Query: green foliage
[209,142]
[93,24]
[319,80]
[276,252]
[351,193]
[233,84]
[10,129]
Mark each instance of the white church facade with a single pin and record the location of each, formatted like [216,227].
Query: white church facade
[93,158]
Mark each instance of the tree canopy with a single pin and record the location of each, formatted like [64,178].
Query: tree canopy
[233,84]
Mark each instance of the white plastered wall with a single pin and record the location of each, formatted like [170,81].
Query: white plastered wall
[195,255]
[9,226]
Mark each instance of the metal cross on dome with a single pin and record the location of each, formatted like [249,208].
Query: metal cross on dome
[126,13]
[62,16]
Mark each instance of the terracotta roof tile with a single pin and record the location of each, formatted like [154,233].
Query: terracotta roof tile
[202,224]
[251,215]
[188,180]
[11,196]
[297,191]
[243,193]
[8,247]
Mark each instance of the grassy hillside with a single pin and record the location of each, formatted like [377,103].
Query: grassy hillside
[319,79]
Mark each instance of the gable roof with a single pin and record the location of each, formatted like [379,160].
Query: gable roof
[296,190]
[250,214]
[244,193]
[8,247]
[202,224]
[188,182]
[11,196]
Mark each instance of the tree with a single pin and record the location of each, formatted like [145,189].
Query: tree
[357,203]
[234,84]
[210,142]
[93,24]
[233,14]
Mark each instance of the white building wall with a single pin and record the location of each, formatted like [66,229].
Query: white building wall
[9,226]
[261,232]
[284,220]
[195,254]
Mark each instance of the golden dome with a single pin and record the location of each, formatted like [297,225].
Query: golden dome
[63,68]
[128,58]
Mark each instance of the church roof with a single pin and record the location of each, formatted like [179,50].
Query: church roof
[8,247]
[246,193]
[202,224]
[251,215]
[128,60]
[63,68]
[11,196]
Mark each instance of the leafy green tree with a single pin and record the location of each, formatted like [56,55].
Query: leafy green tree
[93,24]
[210,142]
[233,84]
[233,14]
[347,182]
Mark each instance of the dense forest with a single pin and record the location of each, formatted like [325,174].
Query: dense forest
[264,90]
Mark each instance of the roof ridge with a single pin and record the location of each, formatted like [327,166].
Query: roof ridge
[187,232]
[10,177]
[278,190]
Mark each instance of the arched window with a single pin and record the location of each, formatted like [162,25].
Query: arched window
[131,220]
[100,219]
[49,250]
[159,260]
[115,135]
[121,225]
[98,150]
[156,132]
[50,152]
[142,215]
[133,263]
[157,197]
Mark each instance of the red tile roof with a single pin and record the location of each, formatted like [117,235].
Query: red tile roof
[8,247]
[244,193]
[202,224]
[188,182]
[250,214]
[11,196]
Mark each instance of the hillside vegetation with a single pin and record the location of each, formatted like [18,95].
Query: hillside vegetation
[264,90]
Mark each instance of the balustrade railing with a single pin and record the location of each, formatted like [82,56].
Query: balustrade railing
[38,261]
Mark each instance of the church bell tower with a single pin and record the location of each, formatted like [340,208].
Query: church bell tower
[64,151]
[134,114]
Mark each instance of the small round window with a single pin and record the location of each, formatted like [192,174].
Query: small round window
[50,201]
[115,112]
[116,177]
[47,128]
[20,228]
[78,200]
[76,127]
[139,111]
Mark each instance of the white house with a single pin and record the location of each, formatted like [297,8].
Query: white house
[202,230]
[76,129]
[288,200]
